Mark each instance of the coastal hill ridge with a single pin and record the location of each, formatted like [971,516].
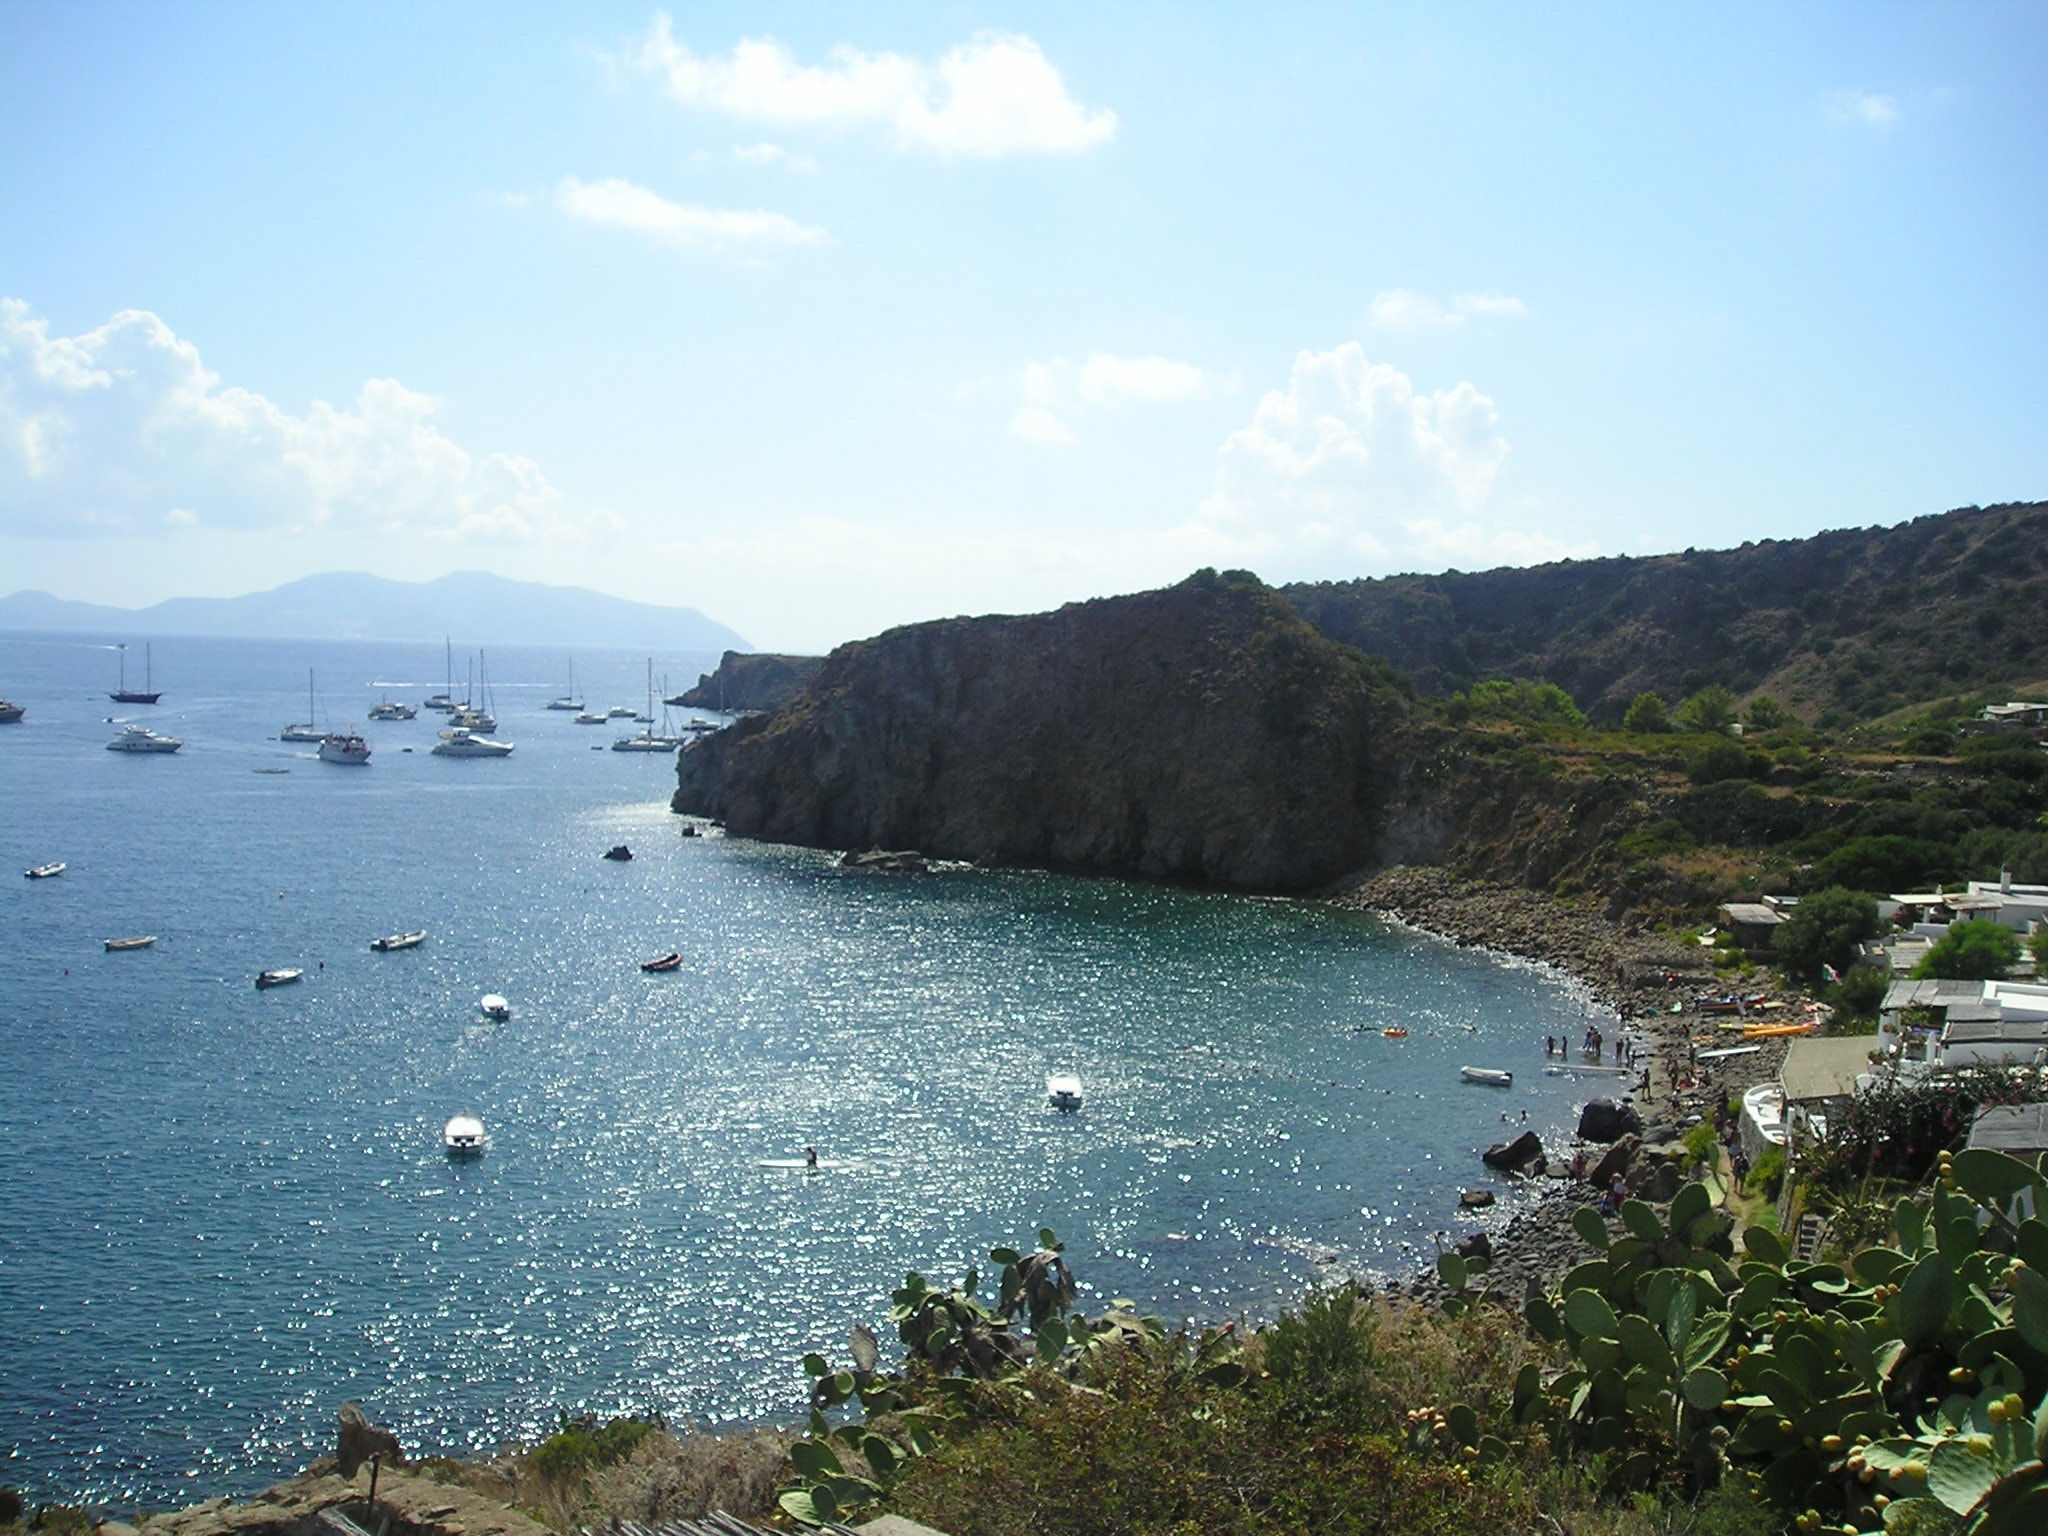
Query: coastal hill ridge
[483,608]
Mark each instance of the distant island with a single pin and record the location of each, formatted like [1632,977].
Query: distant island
[482,608]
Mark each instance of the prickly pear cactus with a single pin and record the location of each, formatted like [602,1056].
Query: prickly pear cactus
[1907,1392]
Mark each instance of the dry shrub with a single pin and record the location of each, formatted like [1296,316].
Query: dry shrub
[667,1478]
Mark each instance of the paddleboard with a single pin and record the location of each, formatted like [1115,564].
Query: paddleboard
[799,1163]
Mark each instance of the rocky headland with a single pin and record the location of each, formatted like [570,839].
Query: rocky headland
[750,680]
[1203,733]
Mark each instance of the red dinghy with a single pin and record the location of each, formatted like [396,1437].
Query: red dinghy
[668,962]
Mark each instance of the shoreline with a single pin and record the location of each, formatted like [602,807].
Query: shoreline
[1639,975]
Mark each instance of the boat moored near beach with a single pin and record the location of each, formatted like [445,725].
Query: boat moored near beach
[1063,1091]
[672,961]
[392,941]
[44,871]
[143,941]
[282,977]
[494,1007]
[463,1136]
[1492,1077]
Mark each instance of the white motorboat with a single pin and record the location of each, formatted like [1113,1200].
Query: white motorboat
[466,743]
[463,1136]
[344,747]
[388,709]
[307,729]
[1063,1091]
[44,871]
[620,712]
[494,1007]
[587,718]
[282,977]
[140,738]
[1492,1077]
[10,714]
[142,941]
[393,941]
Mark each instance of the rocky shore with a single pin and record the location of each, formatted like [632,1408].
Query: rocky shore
[1642,976]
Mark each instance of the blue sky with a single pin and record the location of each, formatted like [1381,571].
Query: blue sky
[822,319]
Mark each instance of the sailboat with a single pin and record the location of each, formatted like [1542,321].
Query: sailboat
[308,730]
[126,695]
[444,700]
[474,713]
[568,701]
[647,741]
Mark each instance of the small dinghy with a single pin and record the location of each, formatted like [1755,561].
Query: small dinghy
[392,941]
[668,962]
[620,854]
[278,978]
[463,1137]
[141,942]
[1063,1091]
[44,871]
[494,1007]
[1492,1077]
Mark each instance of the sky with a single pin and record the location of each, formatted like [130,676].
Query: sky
[823,319]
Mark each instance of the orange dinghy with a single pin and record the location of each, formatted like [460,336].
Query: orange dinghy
[1395,1033]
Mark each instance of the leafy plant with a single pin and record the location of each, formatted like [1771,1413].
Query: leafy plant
[1977,950]
[1907,1391]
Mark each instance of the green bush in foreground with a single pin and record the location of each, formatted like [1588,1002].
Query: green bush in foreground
[1908,1392]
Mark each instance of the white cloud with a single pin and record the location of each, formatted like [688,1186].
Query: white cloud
[1863,109]
[996,95]
[1352,464]
[1055,393]
[772,154]
[123,429]
[617,204]
[1403,309]
[1038,424]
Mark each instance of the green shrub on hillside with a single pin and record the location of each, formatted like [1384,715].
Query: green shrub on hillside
[1888,862]
[1711,710]
[1827,928]
[1978,950]
[1646,716]
[1523,702]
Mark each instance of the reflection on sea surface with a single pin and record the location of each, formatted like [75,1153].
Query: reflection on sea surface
[223,1211]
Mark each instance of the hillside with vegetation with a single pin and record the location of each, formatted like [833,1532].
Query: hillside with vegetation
[1842,627]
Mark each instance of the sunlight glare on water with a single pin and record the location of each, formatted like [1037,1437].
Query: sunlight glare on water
[225,1211]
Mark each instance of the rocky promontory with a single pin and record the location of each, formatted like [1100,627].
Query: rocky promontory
[748,680]
[1203,732]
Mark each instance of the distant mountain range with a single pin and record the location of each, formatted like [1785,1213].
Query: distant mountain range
[481,608]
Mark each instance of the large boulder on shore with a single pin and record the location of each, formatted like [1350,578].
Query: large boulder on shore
[1615,1160]
[1605,1121]
[1513,1156]
[360,1441]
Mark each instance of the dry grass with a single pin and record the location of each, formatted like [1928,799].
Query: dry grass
[667,1477]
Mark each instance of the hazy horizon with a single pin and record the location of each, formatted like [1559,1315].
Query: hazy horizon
[820,323]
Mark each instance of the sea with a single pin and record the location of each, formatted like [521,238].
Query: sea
[224,1211]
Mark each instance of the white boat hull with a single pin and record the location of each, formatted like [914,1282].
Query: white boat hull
[1491,1077]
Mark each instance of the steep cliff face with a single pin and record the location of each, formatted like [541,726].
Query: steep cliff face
[1204,732]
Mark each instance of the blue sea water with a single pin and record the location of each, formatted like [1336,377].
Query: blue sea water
[225,1211]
